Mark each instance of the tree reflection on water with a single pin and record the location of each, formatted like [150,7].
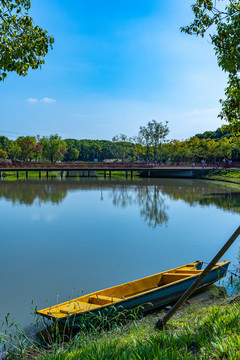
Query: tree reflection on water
[149,200]
[28,193]
[229,201]
[148,195]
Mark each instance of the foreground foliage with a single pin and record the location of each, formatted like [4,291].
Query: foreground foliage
[206,334]
[224,17]
[198,332]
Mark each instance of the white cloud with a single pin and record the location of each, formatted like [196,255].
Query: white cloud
[35,217]
[32,100]
[48,100]
[50,218]
[45,100]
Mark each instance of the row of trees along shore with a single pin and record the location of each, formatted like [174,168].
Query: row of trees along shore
[150,145]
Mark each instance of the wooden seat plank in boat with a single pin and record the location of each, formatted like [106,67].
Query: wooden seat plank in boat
[195,272]
[77,306]
[168,278]
[102,300]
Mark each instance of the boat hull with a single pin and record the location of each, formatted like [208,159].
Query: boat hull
[157,298]
[148,300]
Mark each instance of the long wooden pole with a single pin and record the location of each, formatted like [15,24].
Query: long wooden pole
[162,322]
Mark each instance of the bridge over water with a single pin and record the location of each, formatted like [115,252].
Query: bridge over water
[144,170]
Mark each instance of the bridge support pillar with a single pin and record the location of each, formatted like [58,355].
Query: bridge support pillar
[67,173]
[149,173]
[126,174]
[40,174]
[104,173]
[17,174]
[131,174]
[110,173]
[61,174]
[26,174]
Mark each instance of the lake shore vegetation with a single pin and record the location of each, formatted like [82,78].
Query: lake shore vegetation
[228,175]
[220,150]
[200,330]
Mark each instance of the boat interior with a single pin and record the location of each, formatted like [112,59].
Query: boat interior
[122,292]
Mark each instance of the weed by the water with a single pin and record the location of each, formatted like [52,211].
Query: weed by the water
[212,334]
[197,332]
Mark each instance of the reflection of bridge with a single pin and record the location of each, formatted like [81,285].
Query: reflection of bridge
[144,170]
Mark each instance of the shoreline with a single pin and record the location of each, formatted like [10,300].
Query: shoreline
[207,318]
[224,175]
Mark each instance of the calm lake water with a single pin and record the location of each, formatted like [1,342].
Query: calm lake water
[59,237]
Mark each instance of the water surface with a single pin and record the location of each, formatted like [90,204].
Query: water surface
[61,237]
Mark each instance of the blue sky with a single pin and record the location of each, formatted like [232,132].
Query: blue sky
[115,66]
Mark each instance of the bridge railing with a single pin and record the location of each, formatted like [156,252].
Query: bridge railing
[74,165]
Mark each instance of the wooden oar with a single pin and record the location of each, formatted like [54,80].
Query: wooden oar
[162,322]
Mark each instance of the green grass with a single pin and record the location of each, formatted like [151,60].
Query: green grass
[34,174]
[10,176]
[206,333]
[225,175]
[118,174]
[196,332]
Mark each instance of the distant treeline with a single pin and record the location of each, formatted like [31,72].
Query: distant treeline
[210,145]
[88,150]
[149,145]
[215,135]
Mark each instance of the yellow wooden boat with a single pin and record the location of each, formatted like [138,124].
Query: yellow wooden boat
[149,292]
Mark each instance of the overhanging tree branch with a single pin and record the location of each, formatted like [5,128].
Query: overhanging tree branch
[23,44]
[226,42]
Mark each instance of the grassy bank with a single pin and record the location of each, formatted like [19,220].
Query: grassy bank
[200,331]
[11,176]
[230,175]
[35,175]
[118,174]
[206,333]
